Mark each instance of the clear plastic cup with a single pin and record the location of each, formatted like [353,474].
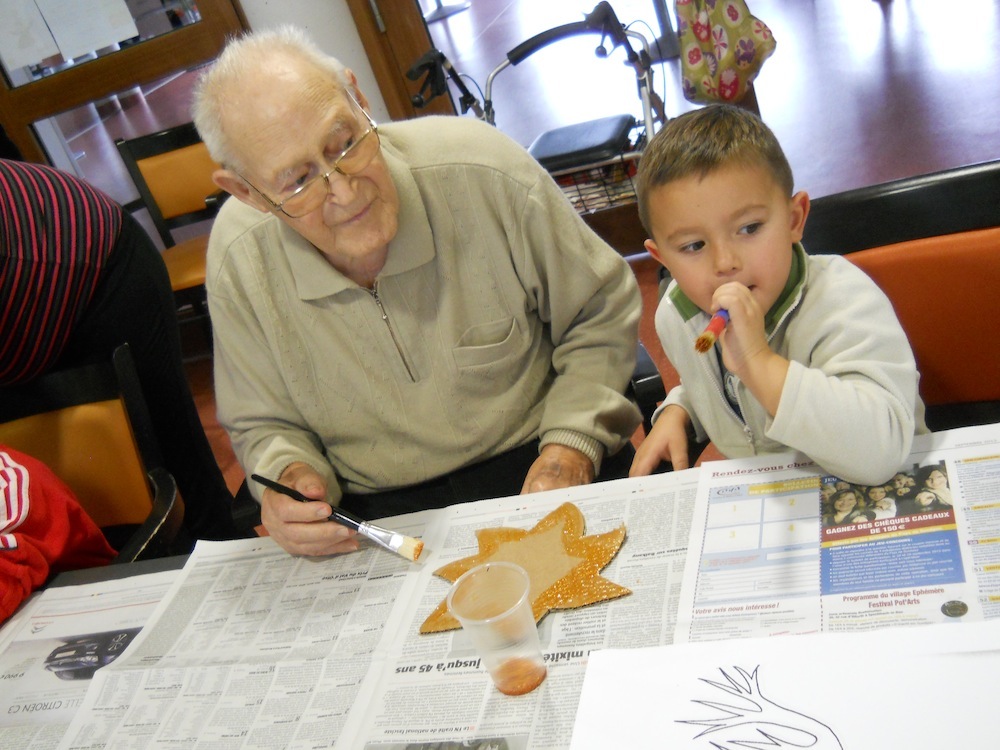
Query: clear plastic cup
[492,601]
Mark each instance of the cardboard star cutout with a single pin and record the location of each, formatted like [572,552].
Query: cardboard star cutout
[564,566]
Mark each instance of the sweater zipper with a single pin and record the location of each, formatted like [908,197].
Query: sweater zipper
[392,334]
[747,432]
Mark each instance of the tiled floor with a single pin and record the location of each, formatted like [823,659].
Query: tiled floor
[858,91]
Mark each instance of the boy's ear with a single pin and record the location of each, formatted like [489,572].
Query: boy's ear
[653,250]
[799,212]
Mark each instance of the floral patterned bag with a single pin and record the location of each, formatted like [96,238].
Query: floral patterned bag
[722,49]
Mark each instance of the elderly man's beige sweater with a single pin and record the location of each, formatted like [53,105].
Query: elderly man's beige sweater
[499,317]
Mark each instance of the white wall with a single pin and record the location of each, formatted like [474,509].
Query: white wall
[331,26]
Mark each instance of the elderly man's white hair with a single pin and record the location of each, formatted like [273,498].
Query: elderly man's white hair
[242,61]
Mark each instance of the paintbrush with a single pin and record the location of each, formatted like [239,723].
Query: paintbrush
[707,339]
[405,546]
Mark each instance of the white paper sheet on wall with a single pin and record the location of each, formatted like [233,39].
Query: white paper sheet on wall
[82,26]
[24,37]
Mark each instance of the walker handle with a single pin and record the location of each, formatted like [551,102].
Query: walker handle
[602,20]
[531,46]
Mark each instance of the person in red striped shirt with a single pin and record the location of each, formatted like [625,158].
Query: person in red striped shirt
[78,277]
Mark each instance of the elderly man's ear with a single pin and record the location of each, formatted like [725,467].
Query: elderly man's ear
[236,186]
[352,85]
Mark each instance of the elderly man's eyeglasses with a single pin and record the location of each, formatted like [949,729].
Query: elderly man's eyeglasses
[310,195]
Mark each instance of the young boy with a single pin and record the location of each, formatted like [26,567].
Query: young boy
[813,358]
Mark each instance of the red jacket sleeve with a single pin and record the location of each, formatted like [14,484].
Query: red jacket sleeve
[43,529]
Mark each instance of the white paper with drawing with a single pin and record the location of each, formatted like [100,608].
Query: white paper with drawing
[930,687]
[777,547]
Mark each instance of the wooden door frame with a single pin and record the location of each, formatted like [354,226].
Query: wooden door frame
[397,91]
[148,61]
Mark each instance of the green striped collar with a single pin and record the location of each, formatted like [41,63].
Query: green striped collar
[796,277]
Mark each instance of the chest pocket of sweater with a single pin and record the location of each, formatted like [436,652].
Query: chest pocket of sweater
[487,344]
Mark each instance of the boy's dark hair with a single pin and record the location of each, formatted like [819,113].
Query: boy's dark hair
[702,140]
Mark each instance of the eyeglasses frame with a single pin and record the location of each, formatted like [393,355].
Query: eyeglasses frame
[372,130]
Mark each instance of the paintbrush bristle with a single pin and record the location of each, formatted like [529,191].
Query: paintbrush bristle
[711,333]
[411,548]
[704,342]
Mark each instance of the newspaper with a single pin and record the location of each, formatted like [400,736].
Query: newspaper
[776,548]
[50,649]
[254,648]
[768,556]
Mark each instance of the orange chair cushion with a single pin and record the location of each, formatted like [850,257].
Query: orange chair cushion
[185,263]
[943,291]
[90,447]
[180,180]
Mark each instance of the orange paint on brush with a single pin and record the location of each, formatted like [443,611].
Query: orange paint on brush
[712,331]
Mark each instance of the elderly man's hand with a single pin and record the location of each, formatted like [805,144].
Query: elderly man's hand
[302,528]
[556,467]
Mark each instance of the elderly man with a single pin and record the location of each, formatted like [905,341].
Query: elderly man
[406,316]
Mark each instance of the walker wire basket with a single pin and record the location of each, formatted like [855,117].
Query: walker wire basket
[593,162]
[601,185]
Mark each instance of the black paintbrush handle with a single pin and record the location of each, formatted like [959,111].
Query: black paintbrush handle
[344,517]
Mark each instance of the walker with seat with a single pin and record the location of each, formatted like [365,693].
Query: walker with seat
[592,161]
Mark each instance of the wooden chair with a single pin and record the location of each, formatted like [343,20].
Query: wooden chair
[91,426]
[932,243]
[172,171]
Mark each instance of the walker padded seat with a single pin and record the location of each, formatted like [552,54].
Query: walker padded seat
[583,143]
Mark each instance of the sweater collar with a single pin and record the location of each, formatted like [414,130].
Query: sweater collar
[413,245]
[787,298]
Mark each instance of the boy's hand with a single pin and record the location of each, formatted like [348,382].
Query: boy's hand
[667,441]
[744,338]
[745,351]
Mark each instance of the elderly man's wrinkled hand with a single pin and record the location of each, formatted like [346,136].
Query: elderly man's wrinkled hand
[303,528]
[556,467]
